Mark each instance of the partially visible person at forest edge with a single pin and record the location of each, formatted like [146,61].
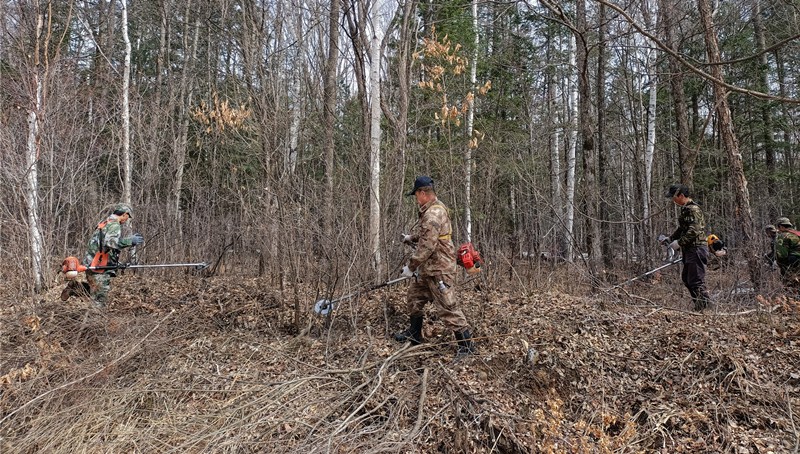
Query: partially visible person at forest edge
[690,238]
[787,254]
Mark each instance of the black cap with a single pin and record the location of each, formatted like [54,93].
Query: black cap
[676,189]
[422,181]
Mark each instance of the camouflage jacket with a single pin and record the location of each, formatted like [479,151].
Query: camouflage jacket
[691,229]
[435,254]
[787,250]
[106,238]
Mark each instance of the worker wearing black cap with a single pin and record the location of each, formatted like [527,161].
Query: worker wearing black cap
[690,238]
[433,265]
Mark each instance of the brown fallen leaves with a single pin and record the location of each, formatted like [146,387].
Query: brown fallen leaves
[228,371]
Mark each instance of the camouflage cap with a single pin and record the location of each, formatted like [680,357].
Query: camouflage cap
[770,228]
[123,208]
[784,222]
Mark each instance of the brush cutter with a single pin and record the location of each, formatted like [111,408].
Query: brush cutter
[666,265]
[71,266]
[325,306]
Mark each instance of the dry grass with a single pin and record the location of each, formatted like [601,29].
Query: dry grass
[213,365]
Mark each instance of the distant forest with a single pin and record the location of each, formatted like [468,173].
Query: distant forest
[278,137]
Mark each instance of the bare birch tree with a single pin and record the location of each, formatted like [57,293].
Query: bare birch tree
[471,144]
[126,108]
[375,58]
[34,115]
[572,147]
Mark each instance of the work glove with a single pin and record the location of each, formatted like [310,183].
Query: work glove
[675,246]
[663,239]
[721,253]
[136,239]
[406,272]
[406,238]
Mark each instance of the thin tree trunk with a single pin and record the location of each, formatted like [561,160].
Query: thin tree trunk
[787,145]
[650,145]
[743,214]
[185,100]
[375,138]
[572,149]
[555,158]
[31,175]
[650,142]
[126,109]
[687,155]
[468,164]
[766,111]
[603,226]
[399,122]
[590,188]
[296,96]
[329,113]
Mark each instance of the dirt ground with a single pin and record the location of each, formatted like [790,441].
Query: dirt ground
[190,364]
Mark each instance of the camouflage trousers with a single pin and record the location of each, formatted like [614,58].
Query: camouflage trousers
[99,286]
[791,279]
[425,289]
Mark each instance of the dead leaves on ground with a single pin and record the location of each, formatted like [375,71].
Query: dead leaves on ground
[554,373]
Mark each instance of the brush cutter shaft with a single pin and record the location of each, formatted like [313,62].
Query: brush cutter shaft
[650,272]
[370,289]
[120,266]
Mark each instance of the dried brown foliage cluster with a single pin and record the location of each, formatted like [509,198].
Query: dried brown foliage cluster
[187,364]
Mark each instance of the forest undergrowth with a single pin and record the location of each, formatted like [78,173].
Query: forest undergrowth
[190,364]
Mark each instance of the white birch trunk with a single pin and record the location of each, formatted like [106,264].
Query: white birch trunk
[375,136]
[126,112]
[473,78]
[571,151]
[32,178]
[650,146]
[295,93]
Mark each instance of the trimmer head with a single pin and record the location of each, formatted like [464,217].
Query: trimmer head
[324,306]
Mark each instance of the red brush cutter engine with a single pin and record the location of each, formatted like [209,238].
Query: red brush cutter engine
[469,258]
[71,266]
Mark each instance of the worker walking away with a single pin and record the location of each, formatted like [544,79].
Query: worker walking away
[434,266]
[103,250]
[787,254]
[691,240]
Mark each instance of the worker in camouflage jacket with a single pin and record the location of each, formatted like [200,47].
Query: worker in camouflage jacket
[432,268]
[787,253]
[104,249]
[691,239]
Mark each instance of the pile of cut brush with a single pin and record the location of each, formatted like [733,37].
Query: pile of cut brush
[226,365]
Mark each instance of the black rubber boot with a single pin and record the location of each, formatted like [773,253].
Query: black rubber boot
[700,298]
[465,344]
[414,332]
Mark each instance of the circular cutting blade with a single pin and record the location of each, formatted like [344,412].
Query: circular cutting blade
[323,307]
